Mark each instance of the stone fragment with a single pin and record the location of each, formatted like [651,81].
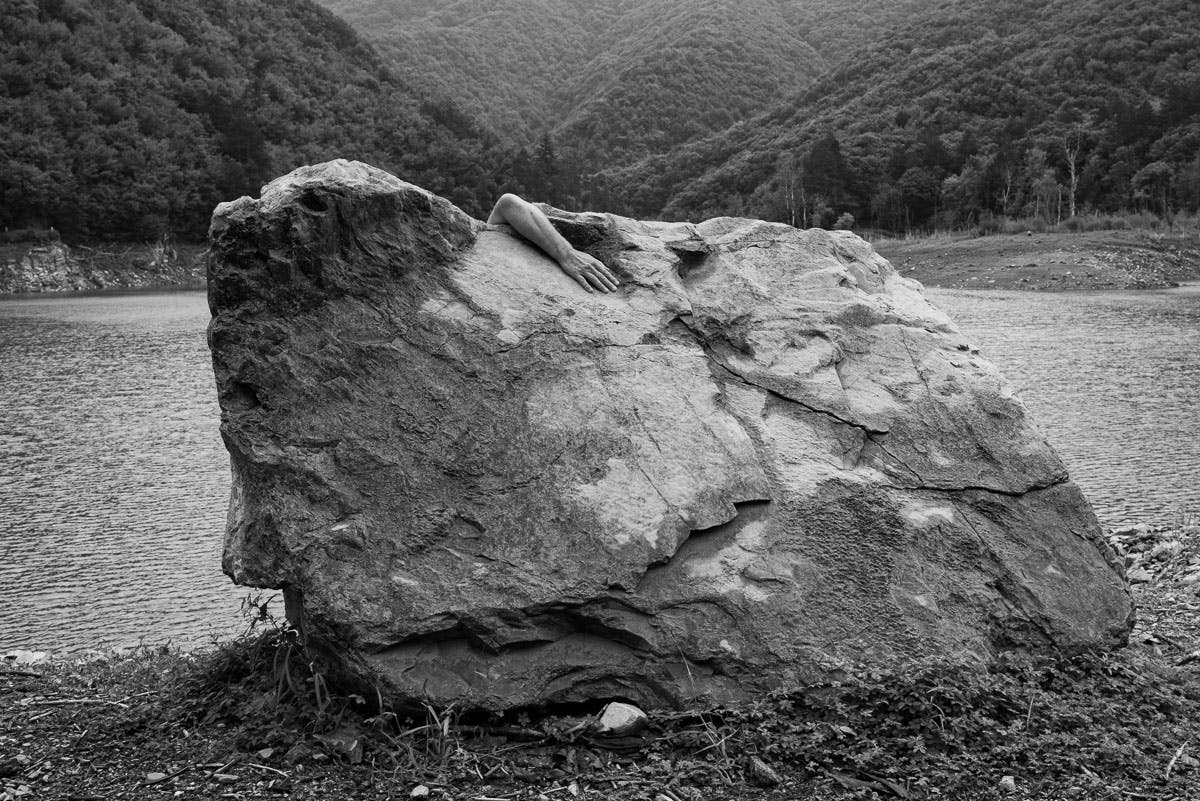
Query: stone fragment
[21,656]
[618,720]
[765,457]
[1008,784]
[761,774]
[1139,575]
[155,778]
[344,742]
[298,753]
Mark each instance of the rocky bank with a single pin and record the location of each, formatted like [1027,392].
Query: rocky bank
[765,458]
[52,266]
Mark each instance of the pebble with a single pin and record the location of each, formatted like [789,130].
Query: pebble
[1139,575]
[620,719]
[155,778]
[420,791]
[1008,784]
[761,773]
[23,657]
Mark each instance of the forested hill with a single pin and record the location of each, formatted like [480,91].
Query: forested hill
[616,69]
[971,110]
[607,81]
[504,60]
[673,70]
[128,118]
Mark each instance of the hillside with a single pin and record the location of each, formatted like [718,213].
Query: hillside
[967,112]
[585,87]
[502,61]
[679,69]
[531,66]
[135,117]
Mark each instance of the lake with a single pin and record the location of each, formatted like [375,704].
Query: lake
[114,481]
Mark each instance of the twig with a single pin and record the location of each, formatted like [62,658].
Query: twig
[1174,759]
[34,764]
[221,769]
[26,673]
[69,701]
[170,776]
[266,767]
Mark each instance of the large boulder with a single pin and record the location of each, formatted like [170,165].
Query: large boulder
[765,457]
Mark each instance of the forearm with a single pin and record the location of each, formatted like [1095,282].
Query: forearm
[529,221]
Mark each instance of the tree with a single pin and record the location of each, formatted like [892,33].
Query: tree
[1153,183]
[920,191]
[1072,144]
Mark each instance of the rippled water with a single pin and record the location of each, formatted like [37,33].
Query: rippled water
[113,478]
[114,482]
[1113,378]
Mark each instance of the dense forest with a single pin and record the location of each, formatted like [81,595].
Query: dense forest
[970,113]
[588,86]
[925,113]
[131,118]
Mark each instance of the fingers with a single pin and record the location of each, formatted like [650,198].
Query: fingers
[582,281]
[600,281]
[590,273]
[600,276]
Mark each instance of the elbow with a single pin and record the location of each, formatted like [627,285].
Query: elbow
[509,201]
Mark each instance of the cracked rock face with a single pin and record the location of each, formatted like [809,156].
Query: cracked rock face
[765,457]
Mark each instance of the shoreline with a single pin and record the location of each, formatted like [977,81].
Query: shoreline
[246,720]
[53,268]
[1049,262]
[1038,262]
[1138,547]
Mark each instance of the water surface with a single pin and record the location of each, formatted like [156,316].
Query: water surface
[1113,378]
[113,478]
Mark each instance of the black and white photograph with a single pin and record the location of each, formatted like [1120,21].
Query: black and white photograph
[600,400]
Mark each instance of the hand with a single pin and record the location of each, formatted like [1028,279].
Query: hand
[588,271]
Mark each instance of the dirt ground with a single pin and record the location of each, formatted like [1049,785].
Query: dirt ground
[1049,261]
[256,720]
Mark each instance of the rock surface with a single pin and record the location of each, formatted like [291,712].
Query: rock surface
[765,457]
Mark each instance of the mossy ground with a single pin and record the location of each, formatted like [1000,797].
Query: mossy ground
[257,719]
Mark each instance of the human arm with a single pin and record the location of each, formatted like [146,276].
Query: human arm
[529,221]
